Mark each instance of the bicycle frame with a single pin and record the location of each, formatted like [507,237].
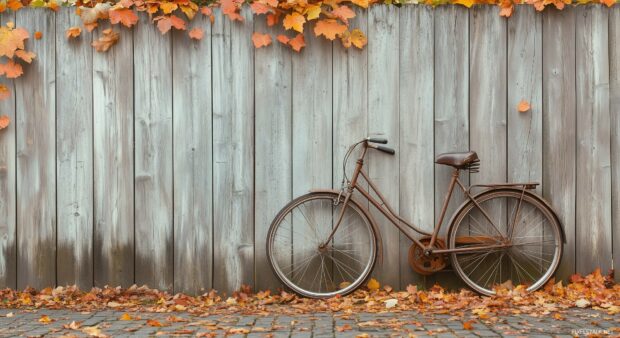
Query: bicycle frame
[384,207]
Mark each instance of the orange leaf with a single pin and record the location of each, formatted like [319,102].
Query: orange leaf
[164,23]
[344,13]
[107,40]
[356,38]
[4,121]
[361,3]
[230,8]
[90,26]
[330,28]
[5,93]
[261,40]
[259,8]
[294,21]
[506,8]
[154,323]
[272,19]
[38,35]
[11,40]
[196,33]
[25,55]
[11,69]
[373,284]
[127,17]
[523,106]
[168,7]
[45,319]
[468,325]
[14,5]
[125,317]
[608,3]
[73,32]
[283,39]
[206,11]
[298,42]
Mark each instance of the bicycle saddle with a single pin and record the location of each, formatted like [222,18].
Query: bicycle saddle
[460,160]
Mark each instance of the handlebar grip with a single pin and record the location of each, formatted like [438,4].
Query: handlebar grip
[377,140]
[386,150]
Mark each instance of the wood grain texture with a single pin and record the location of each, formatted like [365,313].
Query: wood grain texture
[193,158]
[383,120]
[593,194]
[614,109]
[451,105]
[524,76]
[35,122]
[559,125]
[487,93]
[74,155]
[417,196]
[8,193]
[273,144]
[153,157]
[233,153]
[113,134]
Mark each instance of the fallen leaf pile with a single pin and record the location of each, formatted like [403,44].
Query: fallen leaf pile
[593,291]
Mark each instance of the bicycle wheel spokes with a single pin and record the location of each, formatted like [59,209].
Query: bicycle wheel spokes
[304,260]
[526,253]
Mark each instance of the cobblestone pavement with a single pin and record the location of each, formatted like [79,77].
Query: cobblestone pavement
[574,322]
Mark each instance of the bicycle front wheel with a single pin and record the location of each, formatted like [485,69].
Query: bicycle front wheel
[521,246]
[302,258]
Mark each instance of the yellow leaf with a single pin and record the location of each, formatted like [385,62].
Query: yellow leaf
[373,284]
[294,21]
[466,3]
[168,7]
[125,316]
[313,12]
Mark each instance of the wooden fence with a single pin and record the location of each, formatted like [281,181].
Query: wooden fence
[164,160]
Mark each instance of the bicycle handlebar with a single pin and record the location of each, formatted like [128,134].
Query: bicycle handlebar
[384,149]
[377,140]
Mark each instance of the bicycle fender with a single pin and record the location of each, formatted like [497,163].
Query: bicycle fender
[366,212]
[532,195]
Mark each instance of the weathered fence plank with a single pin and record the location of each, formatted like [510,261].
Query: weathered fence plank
[35,95]
[614,109]
[451,104]
[417,198]
[273,101]
[8,193]
[524,78]
[153,157]
[233,150]
[593,194]
[383,120]
[559,124]
[192,158]
[74,155]
[113,133]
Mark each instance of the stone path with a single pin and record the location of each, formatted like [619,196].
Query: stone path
[574,322]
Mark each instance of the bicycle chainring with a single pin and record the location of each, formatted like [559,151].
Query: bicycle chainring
[427,265]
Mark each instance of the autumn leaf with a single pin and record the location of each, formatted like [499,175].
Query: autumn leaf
[11,39]
[343,328]
[312,12]
[298,42]
[361,3]
[125,317]
[38,35]
[90,16]
[25,55]
[11,70]
[165,23]
[468,325]
[260,8]
[523,106]
[4,122]
[126,17]
[272,19]
[155,323]
[14,5]
[73,32]
[344,13]
[506,8]
[466,3]
[168,7]
[356,38]
[329,28]
[294,21]
[45,319]
[189,9]
[108,39]
[261,40]
[196,33]
[373,285]
[283,39]
[608,3]
[73,325]
[92,331]
[5,93]
[230,8]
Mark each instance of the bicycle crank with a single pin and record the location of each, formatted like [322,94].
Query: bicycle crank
[427,264]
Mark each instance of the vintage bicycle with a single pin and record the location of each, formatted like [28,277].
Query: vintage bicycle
[325,243]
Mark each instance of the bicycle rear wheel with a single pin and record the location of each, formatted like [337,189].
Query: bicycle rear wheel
[525,241]
[303,260]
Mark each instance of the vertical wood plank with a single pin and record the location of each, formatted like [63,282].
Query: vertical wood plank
[113,133]
[74,155]
[487,93]
[8,193]
[383,119]
[273,108]
[525,84]
[153,156]
[614,109]
[193,158]
[417,198]
[593,195]
[35,94]
[559,125]
[233,153]
[451,102]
